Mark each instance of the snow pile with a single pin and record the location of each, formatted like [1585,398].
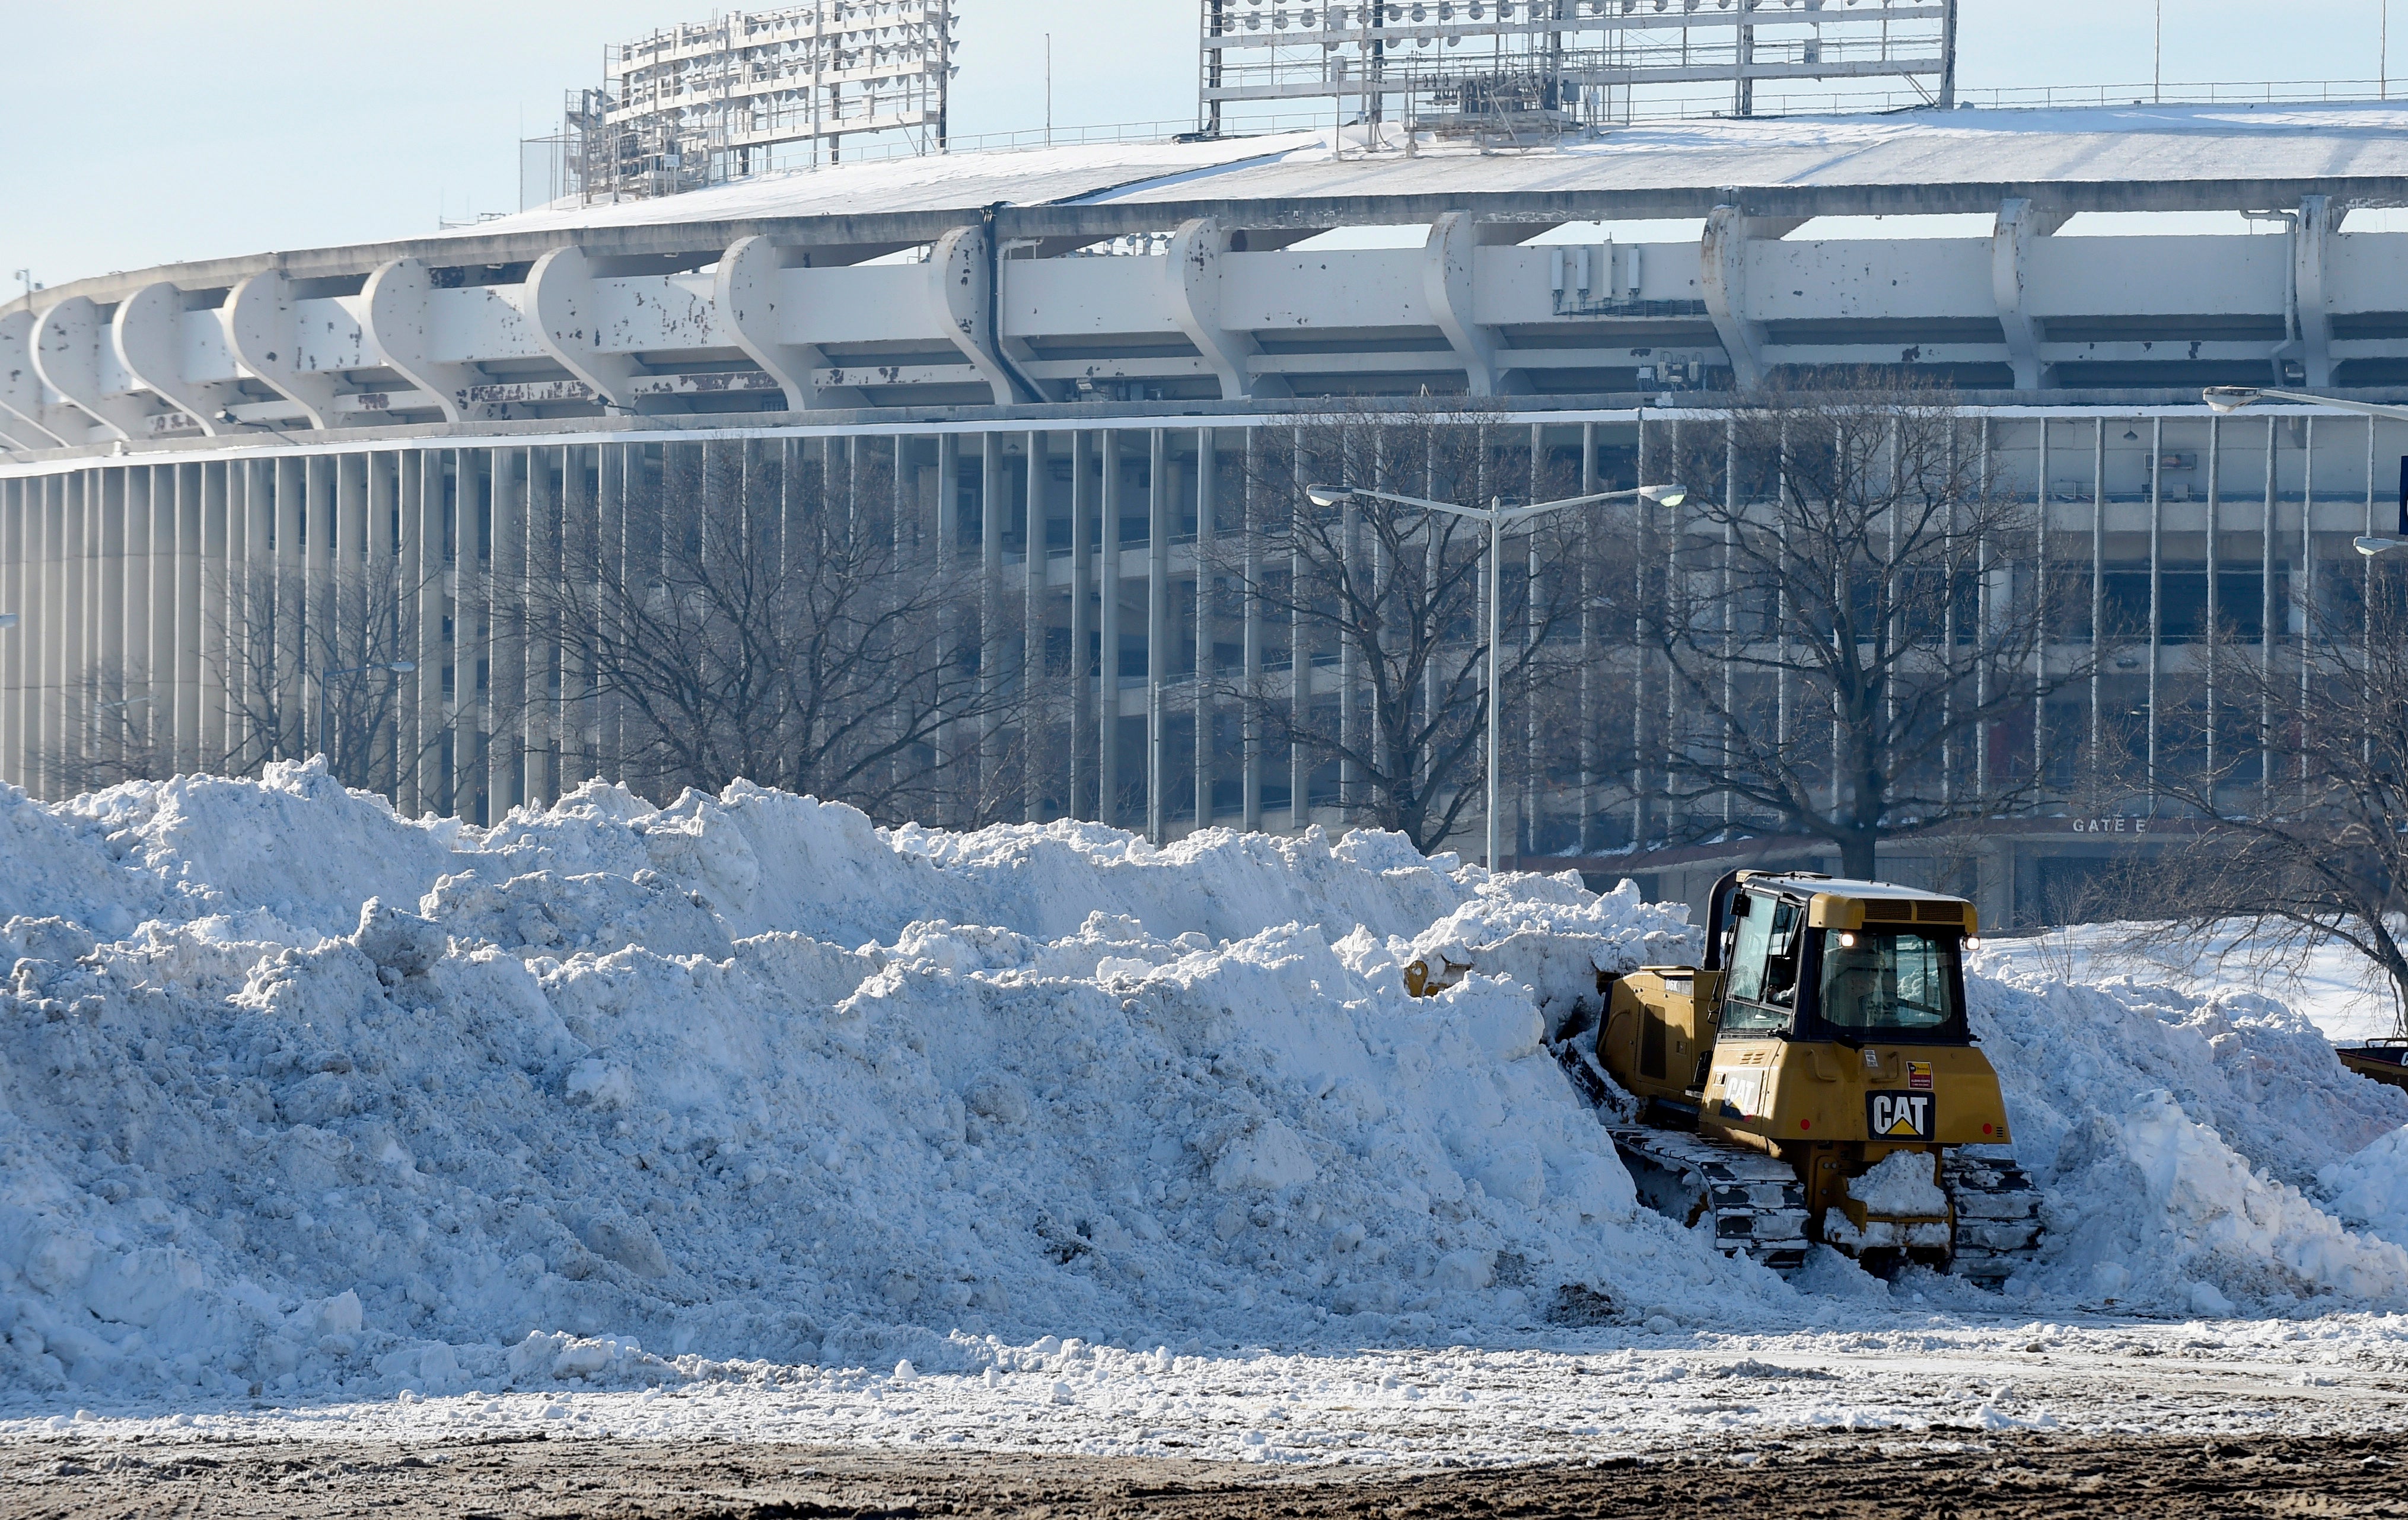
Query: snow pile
[2369,1189]
[2180,1138]
[1552,936]
[301,1096]
[297,1095]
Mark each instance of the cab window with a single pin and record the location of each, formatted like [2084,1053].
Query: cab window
[1763,989]
[1889,983]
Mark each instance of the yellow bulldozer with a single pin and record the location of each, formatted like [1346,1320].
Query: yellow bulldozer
[1814,1082]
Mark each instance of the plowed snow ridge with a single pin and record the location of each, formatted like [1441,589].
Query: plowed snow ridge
[297,1094]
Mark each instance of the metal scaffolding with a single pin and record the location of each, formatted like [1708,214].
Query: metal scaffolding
[707,102]
[1528,69]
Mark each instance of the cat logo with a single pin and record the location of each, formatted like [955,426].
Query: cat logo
[1901,1115]
[1918,1075]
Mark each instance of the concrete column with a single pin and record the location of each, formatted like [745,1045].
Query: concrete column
[505,632]
[2098,572]
[101,684]
[2040,642]
[1157,631]
[1208,486]
[327,634]
[950,738]
[62,524]
[247,495]
[13,641]
[128,726]
[579,523]
[1032,726]
[2267,632]
[215,617]
[1350,549]
[1083,703]
[292,650]
[1251,802]
[85,501]
[190,558]
[432,589]
[540,686]
[994,506]
[1586,839]
[610,711]
[2157,582]
[1108,683]
[159,589]
[379,607]
[1299,661]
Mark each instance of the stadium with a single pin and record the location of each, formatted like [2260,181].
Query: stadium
[265,506]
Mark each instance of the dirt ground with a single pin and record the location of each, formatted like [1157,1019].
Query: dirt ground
[1803,1480]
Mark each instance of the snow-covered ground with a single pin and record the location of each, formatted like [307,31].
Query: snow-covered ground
[2332,987]
[742,1116]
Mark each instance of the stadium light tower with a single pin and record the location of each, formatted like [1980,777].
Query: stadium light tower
[1499,518]
[2226,399]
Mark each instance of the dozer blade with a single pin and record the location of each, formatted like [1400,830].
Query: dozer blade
[1998,1216]
[1756,1203]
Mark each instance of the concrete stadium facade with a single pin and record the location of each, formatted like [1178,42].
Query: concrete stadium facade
[185,441]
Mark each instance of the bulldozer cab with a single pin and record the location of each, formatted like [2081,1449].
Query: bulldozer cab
[1809,958]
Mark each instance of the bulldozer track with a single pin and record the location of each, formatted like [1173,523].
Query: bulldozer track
[1756,1203]
[1998,1215]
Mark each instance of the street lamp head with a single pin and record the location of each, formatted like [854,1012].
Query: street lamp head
[1325,496]
[2372,546]
[2228,399]
[1665,496]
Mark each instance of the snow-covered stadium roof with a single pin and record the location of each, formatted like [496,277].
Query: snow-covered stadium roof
[2139,158]
[2176,147]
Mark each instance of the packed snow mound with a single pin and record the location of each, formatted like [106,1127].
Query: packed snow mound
[1552,935]
[2194,1148]
[2369,1190]
[299,1094]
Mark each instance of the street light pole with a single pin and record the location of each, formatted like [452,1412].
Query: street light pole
[2226,399]
[1498,516]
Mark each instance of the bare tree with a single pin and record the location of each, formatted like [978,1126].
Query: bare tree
[1391,596]
[2304,833]
[322,684]
[739,623]
[1837,632]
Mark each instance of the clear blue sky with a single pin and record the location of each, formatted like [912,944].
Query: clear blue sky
[139,134]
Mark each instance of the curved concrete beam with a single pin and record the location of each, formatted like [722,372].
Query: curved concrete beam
[2011,241]
[1194,269]
[396,307]
[66,354]
[2312,239]
[1723,268]
[960,304]
[566,312]
[265,333]
[21,387]
[149,334]
[747,296]
[1446,287]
